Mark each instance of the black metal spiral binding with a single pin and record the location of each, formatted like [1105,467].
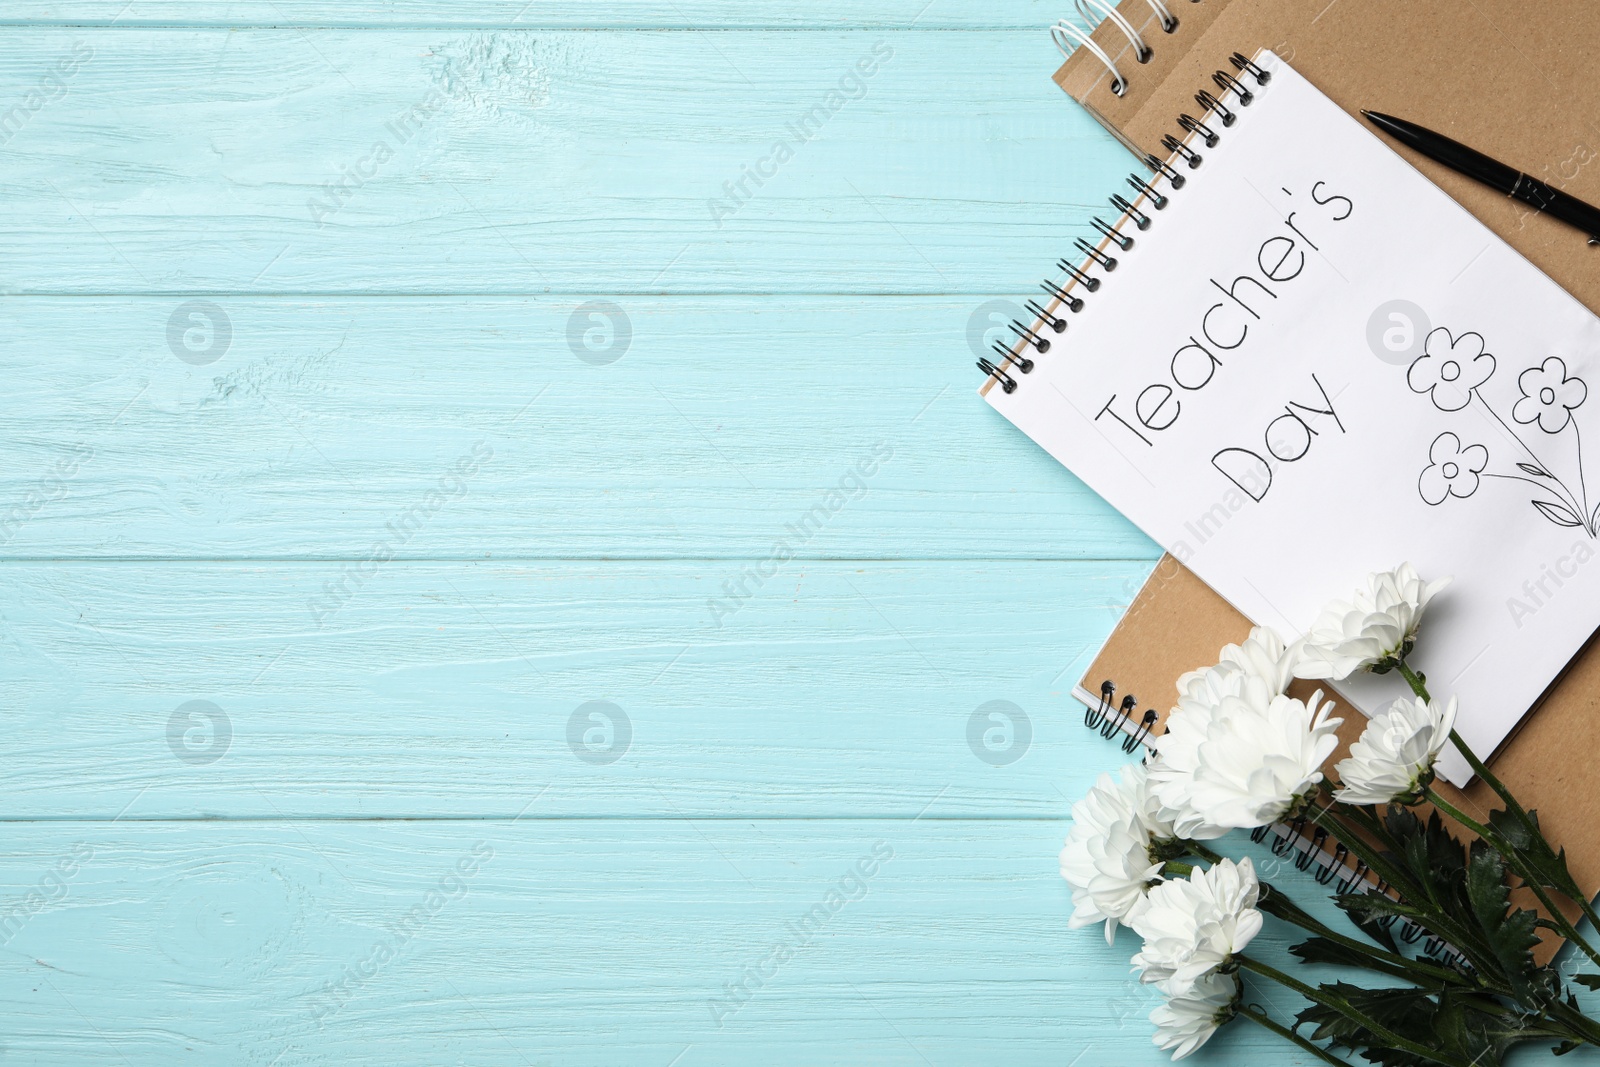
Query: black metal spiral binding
[1039,344]
[1088,281]
[1178,148]
[1357,874]
[1141,732]
[1440,949]
[1165,170]
[1107,263]
[1325,871]
[1318,839]
[1211,103]
[1109,716]
[1022,363]
[1307,851]
[1148,191]
[998,373]
[1107,721]
[1093,717]
[1095,257]
[1057,324]
[1141,221]
[1112,234]
[1248,66]
[1283,844]
[1228,83]
[1072,301]
[1200,129]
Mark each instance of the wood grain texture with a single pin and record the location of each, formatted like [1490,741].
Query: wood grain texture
[191,161]
[422,690]
[597,942]
[543,14]
[398,637]
[725,421]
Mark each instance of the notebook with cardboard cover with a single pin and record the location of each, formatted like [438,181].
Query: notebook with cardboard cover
[1510,77]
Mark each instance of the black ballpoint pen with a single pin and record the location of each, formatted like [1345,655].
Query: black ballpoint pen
[1474,164]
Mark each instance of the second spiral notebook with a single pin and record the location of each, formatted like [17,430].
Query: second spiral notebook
[1286,313]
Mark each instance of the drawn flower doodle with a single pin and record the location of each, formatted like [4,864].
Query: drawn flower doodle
[1452,372]
[1548,396]
[1450,368]
[1452,470]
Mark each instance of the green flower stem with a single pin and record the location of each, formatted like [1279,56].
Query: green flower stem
[1347,820]
[1258,1015]
[1438,921]
[1428,913]
[1578,1025]
[1571,890]
[1344,1007]
[1275,903]
[1175,869]
[1414,680]
[1203,852]
[1343,816]
[1559,920]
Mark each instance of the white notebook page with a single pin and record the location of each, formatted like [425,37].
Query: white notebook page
[1314,365]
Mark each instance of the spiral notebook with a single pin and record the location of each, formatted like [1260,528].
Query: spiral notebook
[1290,313]
[1429,60]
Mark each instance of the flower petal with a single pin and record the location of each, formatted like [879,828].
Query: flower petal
[1434,487]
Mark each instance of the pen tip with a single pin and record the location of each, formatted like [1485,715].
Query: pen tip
[1365,113]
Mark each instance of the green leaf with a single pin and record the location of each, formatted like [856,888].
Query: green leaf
[1434,859]
[1460,1025]
[1588,981]
[1377,931]
[1324,950]
[1482,1030]
[1404,1011]
[1371,906]
[1365,919]
[1510,829]
[1534,851]
[1510,935]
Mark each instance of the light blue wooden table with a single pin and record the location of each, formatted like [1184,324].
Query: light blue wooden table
[389,382]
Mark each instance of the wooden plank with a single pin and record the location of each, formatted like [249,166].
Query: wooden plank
[463,689]
[540,14]
[569,942]
[440,160]
[720,422]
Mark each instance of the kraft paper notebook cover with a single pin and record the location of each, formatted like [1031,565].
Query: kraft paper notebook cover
[1455,68]
[1176,623]
[1222,383]
[1514,78]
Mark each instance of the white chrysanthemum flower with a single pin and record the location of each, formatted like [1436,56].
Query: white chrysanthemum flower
[1263,656]
[1373,631]
[1186,1022]
[1107,858]
[1177,751]
[1394,758]
[1193,926]
[1258,763]
[1255,671]
[1255,763]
